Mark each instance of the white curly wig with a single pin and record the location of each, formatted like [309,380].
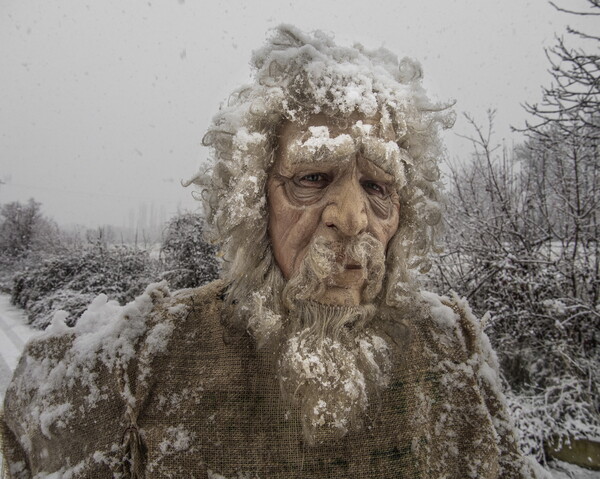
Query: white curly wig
[298,75]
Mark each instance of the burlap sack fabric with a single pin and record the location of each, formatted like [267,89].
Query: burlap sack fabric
[198,401]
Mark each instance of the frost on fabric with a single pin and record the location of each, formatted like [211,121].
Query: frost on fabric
[333,379]
[240,475]
[67,472]
[172,401]
[177,439]
[465,366]
[315,363]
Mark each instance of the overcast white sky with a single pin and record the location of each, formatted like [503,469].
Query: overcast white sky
[103,104]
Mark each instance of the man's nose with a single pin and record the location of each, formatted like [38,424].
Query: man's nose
[346,211]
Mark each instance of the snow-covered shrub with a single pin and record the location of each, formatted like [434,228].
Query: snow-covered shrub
[189,261]
[70,280]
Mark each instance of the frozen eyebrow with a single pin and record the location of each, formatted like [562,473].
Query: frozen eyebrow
[319,146]
[387,155]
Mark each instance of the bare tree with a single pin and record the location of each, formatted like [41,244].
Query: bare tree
[523,227]
[573,97]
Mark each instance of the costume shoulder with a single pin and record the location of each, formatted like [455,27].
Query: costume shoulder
[74,397]
[465,361]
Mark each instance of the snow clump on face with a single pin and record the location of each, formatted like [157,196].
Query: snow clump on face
[297,76]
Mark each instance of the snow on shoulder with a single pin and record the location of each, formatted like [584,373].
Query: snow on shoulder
[107,331]
[67,372]
[441,312]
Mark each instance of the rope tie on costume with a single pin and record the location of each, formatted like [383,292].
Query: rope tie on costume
[135,387]
[134,449]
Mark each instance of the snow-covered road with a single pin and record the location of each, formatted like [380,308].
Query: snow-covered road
[14,333]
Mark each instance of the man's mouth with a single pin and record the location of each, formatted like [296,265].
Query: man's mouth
[353,266]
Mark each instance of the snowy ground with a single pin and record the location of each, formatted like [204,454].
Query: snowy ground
[14,333]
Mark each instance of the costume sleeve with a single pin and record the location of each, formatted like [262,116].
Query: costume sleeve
[513,464]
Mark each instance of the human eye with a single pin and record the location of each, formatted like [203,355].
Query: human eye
[313,180]
[375,188]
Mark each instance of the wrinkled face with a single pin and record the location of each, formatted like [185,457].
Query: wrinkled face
[321,187]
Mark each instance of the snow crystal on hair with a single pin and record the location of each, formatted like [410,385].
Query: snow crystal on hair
[298,75]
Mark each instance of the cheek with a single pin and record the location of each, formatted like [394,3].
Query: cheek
[283,228]
[290,231]
[388,227]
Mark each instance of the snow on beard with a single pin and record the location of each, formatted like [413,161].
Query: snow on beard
[330,363]
[332,379]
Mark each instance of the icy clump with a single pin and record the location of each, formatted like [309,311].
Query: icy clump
[54,416]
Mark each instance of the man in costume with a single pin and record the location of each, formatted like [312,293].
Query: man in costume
[316,356]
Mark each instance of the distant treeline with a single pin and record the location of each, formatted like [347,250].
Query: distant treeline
[46,269]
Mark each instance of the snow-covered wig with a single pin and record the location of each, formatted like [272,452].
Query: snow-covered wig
[298,75]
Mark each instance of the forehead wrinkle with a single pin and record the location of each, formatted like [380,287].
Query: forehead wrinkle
[376,159]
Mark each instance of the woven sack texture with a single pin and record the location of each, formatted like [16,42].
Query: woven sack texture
[195,399]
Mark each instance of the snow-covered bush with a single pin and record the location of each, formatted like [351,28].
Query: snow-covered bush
[70,280]
[189,261]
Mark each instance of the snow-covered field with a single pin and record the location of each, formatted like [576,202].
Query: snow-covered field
[14,333]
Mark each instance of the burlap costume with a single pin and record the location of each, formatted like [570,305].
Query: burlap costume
[176,392]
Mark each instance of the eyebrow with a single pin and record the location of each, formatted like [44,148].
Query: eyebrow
[370,167]
[340,148]
[380,153]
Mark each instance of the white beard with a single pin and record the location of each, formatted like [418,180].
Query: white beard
[332,378]
[331,363]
